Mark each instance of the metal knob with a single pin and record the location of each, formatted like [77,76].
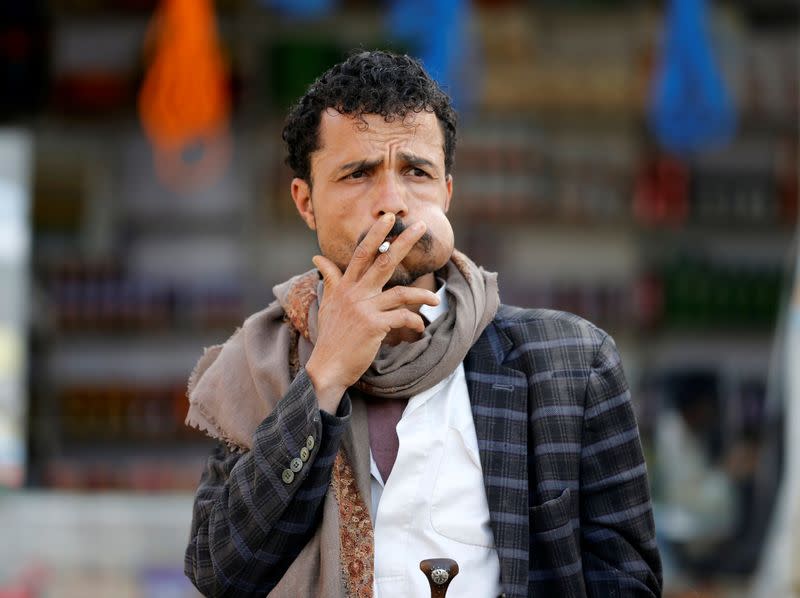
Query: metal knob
[440,572]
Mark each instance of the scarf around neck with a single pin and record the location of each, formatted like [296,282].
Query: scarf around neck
[235,386]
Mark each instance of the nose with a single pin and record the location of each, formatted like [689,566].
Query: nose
[390,197]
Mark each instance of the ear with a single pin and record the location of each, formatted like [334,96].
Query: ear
[449,184]
[301,194]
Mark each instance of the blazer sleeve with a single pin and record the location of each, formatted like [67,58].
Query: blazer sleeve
[620,557]
[251,518]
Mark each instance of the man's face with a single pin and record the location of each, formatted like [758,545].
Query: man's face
[367,168]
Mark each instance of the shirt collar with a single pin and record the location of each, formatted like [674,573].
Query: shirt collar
[429,312]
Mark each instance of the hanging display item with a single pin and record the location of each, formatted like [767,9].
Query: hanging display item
[185,103]
[690,106]
[443,42]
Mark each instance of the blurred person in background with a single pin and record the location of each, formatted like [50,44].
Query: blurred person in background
[386,408]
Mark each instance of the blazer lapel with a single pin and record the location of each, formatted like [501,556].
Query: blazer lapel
[499,407]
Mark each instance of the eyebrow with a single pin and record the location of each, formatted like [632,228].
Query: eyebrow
[413,160]
[359,165]
[407,158]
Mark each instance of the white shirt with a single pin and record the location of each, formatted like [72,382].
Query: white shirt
[434,503]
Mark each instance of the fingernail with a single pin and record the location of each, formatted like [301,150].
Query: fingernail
[387,217]
[419,226]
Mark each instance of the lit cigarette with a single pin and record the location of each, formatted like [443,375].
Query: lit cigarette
[384,247]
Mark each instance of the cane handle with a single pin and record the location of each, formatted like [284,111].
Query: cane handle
[439,572]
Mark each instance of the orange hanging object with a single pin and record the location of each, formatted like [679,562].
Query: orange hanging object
[184,103]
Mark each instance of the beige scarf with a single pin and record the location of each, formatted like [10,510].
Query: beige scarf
[236,385]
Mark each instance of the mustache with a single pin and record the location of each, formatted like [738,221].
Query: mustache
[425,242]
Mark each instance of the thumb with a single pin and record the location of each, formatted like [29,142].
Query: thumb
[330,271]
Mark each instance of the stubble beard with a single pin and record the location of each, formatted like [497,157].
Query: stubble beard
[402,277]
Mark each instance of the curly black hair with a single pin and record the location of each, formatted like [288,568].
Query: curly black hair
[374,82]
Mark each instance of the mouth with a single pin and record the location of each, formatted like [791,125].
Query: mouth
[423,244]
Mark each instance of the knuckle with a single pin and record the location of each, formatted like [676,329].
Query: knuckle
[361,252]
[383,260]
[380,325]
[362,312]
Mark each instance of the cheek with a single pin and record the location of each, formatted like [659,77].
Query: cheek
[332,221]
[442,232]
[335,243]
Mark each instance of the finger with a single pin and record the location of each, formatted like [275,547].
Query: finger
[366,251]
[404,296]
[403,318]
[384,264]
[330,271]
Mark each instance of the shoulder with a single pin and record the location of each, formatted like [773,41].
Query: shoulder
[547,325]
[546,338]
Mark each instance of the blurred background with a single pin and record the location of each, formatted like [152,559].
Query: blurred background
[634,162]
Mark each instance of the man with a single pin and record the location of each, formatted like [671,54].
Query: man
[395,411]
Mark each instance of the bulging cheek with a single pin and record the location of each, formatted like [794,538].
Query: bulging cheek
[443,240]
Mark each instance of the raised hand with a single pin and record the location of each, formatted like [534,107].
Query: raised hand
[356,314]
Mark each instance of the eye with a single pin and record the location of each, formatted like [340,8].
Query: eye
[357,174]
[418,172]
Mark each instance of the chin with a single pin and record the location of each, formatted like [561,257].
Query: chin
[405,274]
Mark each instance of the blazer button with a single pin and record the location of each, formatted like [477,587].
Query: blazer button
[310,443]
[304,454]
[287,476]
[296,465]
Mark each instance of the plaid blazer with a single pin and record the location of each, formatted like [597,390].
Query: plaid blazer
[565,479]
[563,468]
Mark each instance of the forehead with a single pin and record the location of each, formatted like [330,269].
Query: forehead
[344,138]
